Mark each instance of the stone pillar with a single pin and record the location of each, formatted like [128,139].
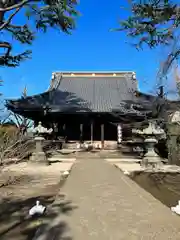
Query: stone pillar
[39,155]
[119,133]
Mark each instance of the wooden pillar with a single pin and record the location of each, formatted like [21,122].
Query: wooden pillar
[81,133]
[102,135]
[55,130]
[92,132]
[65,134]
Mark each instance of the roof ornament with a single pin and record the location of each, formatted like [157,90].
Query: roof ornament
[55,81]
[53,75]
[52,82]
[134,76]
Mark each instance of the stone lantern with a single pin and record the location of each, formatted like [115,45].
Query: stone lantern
[151,133]
[39,155]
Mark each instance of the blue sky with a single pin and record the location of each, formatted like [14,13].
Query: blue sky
[90,47]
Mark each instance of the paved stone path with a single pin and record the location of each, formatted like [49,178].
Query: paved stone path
[110,206]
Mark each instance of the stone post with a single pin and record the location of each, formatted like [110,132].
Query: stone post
[151,133]
[151,157]
[39,155]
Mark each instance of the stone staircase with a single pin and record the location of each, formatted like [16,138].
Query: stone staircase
[65,161]
[70,155]
[57,157]
[109,145]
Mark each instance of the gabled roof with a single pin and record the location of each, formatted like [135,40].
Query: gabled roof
[99,92]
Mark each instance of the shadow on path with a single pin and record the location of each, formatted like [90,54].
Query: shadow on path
[15,223]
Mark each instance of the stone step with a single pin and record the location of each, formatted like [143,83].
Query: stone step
[128,168]
[65,166]
[61,159]
[118,156]
[123,160]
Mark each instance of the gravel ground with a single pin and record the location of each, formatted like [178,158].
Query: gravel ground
[111,206]
[20,186]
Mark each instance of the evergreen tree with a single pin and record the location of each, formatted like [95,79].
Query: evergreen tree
[40,15]
[153,22]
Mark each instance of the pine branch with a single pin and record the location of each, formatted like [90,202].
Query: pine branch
[153,23]
[59,14]
[14,61]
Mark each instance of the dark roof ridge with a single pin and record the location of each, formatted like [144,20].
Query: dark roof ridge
[58,76]
[102,72]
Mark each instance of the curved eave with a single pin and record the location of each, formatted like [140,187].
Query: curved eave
[54,109]
[15,108]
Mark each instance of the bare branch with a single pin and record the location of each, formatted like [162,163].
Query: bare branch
[13,144]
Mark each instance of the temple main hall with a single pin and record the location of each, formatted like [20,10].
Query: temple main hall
[85,106]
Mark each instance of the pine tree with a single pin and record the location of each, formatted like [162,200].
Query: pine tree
[153,22]
[59,14]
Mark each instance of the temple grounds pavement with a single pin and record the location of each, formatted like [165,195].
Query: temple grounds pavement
[109,205]
[97,201]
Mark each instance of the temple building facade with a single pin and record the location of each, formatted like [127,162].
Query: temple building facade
[85,106]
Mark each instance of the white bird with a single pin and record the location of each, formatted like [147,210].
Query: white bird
[176,209]
[65,173]
[37,209]
[126,172]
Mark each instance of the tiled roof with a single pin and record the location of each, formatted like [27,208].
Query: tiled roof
[88,93]
[98,94]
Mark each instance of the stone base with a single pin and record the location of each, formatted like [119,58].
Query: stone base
[151,159]
[154,162]
[40,158]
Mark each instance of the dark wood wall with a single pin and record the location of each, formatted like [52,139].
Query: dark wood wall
[70,125]
[73,131]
